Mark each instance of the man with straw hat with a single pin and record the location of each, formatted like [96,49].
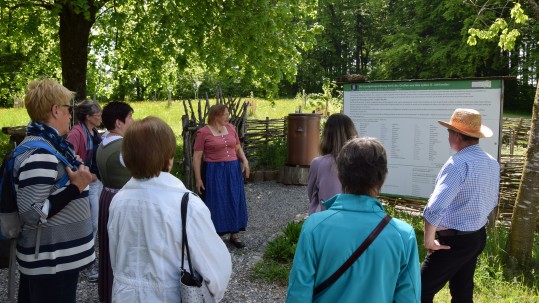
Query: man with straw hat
[465,193]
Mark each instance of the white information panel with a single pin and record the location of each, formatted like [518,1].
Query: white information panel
[404,115]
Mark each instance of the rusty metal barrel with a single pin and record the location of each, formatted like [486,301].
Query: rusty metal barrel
[303,138]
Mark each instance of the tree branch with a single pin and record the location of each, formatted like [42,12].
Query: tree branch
[100,4]
[39,3]
[535,8]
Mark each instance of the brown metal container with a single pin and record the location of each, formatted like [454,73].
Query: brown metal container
[303,138]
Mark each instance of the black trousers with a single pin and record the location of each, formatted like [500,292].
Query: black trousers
[58,288]
[456,265]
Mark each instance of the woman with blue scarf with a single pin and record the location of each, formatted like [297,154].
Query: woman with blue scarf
[56,241]
[85,139]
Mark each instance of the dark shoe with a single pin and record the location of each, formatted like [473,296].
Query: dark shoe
[237,243]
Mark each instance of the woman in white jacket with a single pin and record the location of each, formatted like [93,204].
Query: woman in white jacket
[145,229]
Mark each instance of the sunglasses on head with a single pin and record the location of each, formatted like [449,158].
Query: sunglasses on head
[69,108]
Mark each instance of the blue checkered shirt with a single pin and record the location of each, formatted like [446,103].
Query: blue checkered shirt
[466,191]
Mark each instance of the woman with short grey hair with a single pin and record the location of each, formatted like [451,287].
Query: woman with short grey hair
[387,271]
[362,167]
[85,139]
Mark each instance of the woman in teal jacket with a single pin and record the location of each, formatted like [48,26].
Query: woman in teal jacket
[388,271]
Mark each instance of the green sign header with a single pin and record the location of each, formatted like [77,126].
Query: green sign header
[424,85]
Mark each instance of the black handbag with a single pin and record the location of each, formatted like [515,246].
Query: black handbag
[359,251]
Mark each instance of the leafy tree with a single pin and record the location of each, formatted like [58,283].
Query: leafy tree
[28,48]
[145,46]
[351,33]
[433,45]
[525,212]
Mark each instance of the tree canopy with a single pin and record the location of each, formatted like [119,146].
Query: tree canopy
[138,49]
[147,46]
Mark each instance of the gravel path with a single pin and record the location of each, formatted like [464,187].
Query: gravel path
[271,206]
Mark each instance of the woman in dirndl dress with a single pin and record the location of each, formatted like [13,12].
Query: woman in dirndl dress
[117,116]
[220,177]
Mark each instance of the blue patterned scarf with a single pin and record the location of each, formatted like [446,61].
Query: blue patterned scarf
[50,134]
[92,142]
[89,145]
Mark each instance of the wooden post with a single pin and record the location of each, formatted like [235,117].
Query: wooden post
[297,175]
[187,153]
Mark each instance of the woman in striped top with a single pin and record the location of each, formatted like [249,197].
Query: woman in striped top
[56,241]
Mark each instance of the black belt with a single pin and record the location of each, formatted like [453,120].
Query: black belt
[453,232]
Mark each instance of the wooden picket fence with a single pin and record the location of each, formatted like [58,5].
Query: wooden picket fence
[259,135]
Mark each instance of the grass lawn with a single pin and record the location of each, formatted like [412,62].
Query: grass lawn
[518,114]
[171,115]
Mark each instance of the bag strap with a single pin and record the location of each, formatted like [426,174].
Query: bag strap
[21,148]
[185,244]
[40,144]
[11,271]
[359,251]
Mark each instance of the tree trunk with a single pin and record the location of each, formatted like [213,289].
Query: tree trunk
[524,220]
[74,33]
[359,42]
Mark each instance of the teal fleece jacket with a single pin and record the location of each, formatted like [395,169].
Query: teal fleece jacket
[388,271]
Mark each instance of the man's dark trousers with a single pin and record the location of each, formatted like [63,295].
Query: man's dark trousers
[456,265]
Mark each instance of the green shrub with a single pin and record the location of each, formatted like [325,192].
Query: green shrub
[271,272]
[330,101]
[277,260]
[280,250]
[273,156]
[292,232]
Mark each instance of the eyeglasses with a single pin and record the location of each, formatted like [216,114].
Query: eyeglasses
[69,108]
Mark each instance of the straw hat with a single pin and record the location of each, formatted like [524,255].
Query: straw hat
[467,121]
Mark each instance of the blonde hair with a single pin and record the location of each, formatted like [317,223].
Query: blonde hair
[42,95]
[147,147]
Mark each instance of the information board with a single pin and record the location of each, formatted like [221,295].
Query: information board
[404,115]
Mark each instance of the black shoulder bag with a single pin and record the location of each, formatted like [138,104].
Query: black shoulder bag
[359,251]
[193,288]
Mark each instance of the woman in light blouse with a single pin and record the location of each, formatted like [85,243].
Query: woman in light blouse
[144,226]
